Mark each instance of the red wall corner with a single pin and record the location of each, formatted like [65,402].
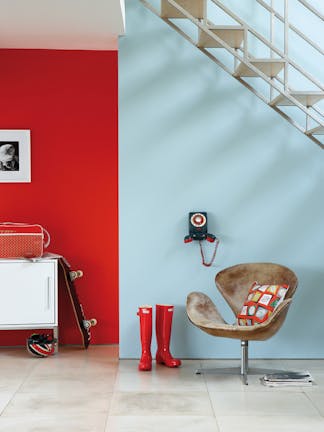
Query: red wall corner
[69,101]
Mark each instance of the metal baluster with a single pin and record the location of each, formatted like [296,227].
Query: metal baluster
[286,36]
[272,42]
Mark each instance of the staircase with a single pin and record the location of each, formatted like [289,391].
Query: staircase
[300,107]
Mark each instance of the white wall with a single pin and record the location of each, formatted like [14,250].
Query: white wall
[192,138]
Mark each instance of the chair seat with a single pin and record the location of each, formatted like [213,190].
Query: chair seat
[203,313]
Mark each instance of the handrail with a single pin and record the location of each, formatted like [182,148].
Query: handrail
[268,44]
[291,26]
[312,9]
[245,60]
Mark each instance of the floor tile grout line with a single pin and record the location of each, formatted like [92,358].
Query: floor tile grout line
[310,400]
[210,401]
[112,398]
[19,387]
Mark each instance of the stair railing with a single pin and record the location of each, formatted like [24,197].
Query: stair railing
[275,83]
[290,26]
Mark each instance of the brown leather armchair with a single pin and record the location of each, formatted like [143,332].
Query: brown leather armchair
[234,284]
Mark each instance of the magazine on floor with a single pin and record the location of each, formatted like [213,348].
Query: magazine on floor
[288,378]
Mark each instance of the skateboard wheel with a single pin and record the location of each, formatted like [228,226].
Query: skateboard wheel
[86,324]
[76,274]
[89,323]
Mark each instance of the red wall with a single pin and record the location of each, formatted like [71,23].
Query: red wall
[68,99]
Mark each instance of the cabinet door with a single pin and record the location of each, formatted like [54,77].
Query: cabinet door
[27,293]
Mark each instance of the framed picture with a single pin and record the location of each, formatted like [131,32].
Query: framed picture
[15,156]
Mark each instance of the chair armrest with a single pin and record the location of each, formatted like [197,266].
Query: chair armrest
[269,327]
[203,313]
[278,313]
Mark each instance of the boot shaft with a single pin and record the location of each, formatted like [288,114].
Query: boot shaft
[145,316]
[163,323]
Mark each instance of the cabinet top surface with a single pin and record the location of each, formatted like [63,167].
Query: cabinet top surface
[31,261]
[47,257]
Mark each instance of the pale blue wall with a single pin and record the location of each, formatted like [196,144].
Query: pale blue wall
[193,138]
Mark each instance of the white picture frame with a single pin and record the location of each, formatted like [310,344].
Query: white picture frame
[15,163]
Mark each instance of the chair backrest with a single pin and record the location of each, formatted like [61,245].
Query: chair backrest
[235,282]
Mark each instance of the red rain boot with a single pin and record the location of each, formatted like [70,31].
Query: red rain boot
[145,314]
[163,324]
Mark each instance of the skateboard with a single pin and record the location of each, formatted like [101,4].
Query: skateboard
[84,325]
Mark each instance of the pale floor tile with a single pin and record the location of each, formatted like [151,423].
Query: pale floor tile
[267,363]
[86,371]
[218,382]
[145,382]
[162,424]
[317,399]
[270,424]
[79,423]
[259,367]
[78,357]
[221,383]
[127,365]
[161,379]
[262,403]
[234,383]
[11,380]
[220,363]
[73,370]
[318,383]
[187,366]
[253,363]
[16,359]
[132,365]
[69,382]
[172,404]
[55,405]
[311,365]
[5,398]
[49,367]
[78,389]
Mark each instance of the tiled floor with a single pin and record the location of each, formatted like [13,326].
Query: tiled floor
[91,391]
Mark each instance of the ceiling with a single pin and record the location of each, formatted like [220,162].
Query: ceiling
[61,24]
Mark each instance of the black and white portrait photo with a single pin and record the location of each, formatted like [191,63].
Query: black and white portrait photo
[9,156]
[15,163]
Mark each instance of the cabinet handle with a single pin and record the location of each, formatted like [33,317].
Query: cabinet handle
[48,293]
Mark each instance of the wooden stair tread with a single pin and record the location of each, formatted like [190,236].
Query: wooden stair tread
[307,98]
[195,7]
[270,67]
[232,35]
[319,130]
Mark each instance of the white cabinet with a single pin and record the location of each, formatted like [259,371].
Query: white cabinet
[28,294]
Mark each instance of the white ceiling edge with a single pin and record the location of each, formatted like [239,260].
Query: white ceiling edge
[62,24]
[98,44]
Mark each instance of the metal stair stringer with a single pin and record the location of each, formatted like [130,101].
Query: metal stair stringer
[231,39]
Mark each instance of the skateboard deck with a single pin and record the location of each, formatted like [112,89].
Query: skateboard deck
[84,325]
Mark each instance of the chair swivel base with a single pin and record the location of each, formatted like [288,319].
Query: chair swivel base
[237,371]
[243,370]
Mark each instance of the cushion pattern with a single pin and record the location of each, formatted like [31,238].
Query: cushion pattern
[261,301]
